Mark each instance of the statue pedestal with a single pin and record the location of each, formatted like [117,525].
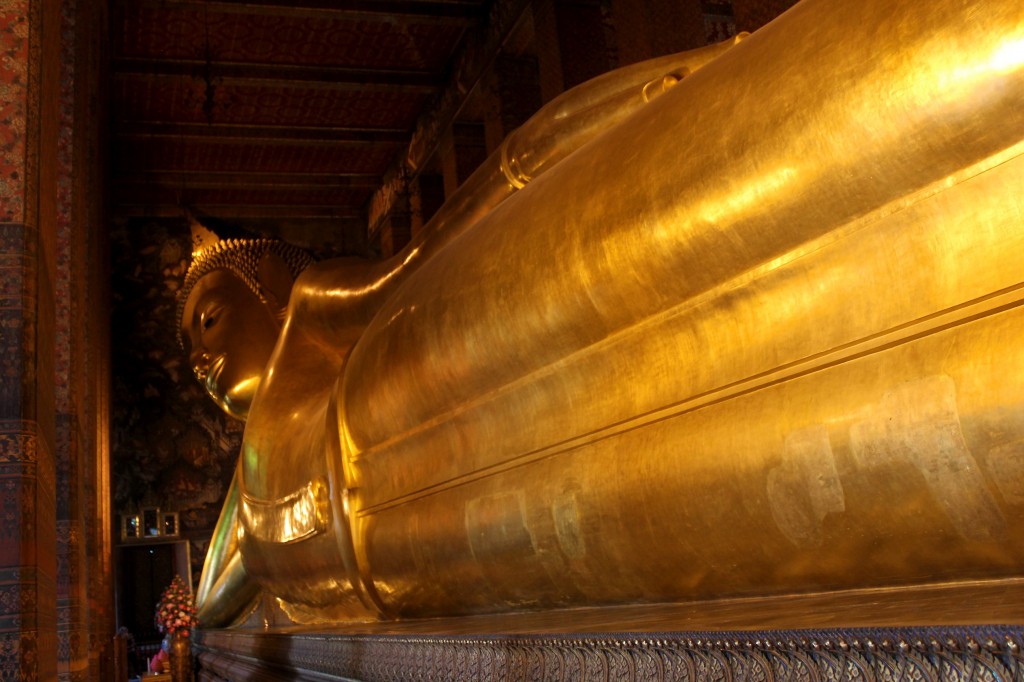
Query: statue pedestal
[946,655]
[859,634]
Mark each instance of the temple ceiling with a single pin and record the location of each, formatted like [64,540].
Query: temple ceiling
[273,113]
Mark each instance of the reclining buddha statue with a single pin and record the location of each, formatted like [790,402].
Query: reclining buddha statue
[738,322]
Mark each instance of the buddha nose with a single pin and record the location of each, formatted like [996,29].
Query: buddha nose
[200,363]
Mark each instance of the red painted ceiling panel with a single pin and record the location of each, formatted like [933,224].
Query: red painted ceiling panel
[152,194]
[182,99]
[185,32]
[167,154]
[294,90]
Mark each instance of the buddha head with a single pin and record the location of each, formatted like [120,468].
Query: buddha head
[231,308]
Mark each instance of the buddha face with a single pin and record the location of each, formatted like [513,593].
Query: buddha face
[229,335]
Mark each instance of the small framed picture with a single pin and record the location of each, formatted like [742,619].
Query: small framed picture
[170,526]
[151,522]
[130,528]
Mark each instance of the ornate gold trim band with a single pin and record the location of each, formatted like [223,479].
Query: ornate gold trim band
[292,518]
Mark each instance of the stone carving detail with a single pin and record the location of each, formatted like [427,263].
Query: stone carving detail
[922,655]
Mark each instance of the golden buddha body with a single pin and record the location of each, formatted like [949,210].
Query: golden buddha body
[760,336]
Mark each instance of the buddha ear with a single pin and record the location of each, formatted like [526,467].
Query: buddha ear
[276,280]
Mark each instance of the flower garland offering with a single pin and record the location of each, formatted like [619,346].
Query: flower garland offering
[176,612]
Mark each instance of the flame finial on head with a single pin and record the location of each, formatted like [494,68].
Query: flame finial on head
[202,237]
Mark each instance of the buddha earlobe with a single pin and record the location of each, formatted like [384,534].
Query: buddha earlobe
[276,280]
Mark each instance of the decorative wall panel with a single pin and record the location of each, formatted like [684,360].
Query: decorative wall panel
[304,38]
[13,107]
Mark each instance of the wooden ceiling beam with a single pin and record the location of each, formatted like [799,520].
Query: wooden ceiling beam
[225,180]
[238,211]
[457,12]
[280,75]
[259,134]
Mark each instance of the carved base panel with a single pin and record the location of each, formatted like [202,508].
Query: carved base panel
[974,632]
[858,655]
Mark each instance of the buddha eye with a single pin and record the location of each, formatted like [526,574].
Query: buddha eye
[210,316]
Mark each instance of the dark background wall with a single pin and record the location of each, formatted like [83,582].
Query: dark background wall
[172,447]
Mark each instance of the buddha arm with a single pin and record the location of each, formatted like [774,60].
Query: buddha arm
[742,309]
[231,596]
[295,539]
[557,130]
[735,167]
[339,297]
[225,591]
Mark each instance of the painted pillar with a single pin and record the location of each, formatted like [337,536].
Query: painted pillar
[29,42]
[55,595]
